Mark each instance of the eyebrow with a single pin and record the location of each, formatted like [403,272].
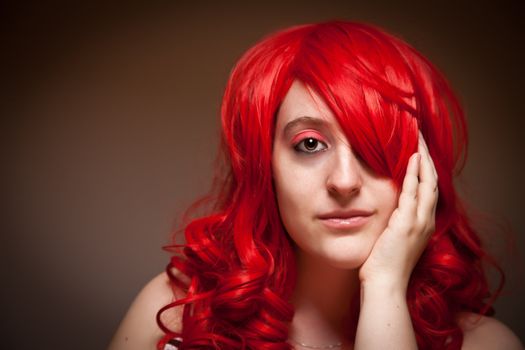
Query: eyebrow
[302,120]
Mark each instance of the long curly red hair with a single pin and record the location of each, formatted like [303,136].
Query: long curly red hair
[240,260]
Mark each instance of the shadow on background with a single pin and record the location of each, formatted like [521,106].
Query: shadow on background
[111,116]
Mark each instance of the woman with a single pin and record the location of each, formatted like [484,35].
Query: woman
[335,224]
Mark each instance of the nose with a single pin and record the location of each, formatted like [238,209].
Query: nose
[345,177]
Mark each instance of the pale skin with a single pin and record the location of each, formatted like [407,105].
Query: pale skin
[374,258]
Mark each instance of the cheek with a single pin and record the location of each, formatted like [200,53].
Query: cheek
[390,200]
[394,196]
[290,196]
[295,197]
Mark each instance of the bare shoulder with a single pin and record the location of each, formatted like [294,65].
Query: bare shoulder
[481,332]
[139,329]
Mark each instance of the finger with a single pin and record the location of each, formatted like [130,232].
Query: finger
[426,208]
[427,173]
[423,149]
[428,187]
[407,202]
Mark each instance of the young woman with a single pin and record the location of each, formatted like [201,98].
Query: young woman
[335,223]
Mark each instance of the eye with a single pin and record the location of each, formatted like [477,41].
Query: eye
[310,145]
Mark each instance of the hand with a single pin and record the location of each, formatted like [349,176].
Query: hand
[411,224]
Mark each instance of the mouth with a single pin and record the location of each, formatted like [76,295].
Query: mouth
[346,220]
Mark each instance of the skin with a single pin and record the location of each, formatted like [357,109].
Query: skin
[314,182]
[372,261]
[313,159]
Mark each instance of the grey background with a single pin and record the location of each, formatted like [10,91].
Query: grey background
[110,120]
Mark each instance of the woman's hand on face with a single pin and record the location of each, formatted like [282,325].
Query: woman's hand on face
[411,224]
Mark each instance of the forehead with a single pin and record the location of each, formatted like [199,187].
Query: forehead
[299,102]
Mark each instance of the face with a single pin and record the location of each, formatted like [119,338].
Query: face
[331,204]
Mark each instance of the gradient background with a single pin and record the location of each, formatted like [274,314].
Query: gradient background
[110,119]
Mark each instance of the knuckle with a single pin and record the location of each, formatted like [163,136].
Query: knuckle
[419,226]
[403,196]
[402,222]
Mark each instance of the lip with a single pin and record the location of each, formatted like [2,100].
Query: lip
[345,220]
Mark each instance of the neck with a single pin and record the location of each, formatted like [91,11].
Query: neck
[322,299]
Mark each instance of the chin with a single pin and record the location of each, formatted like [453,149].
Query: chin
[346,263]
[344,258]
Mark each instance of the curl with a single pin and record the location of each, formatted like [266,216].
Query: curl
[239,260]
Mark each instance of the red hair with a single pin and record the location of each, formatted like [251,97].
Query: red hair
[240,260]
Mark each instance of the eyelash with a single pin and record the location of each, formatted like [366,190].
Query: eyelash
[297,146]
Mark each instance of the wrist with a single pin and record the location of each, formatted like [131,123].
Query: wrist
[382,296]
[384,287]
